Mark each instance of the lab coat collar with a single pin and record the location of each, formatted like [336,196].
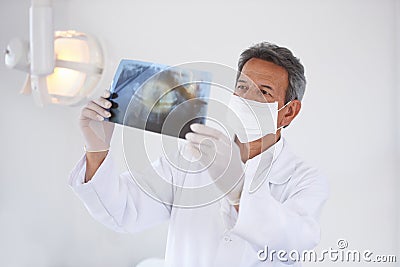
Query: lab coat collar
[282,167]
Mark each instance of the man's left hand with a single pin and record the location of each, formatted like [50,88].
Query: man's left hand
[222,158]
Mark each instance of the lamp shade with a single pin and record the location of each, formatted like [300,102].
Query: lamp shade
[78,67]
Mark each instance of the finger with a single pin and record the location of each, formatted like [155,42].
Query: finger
[207,130]
[201,148]
[195,153]
[205,146]
[99,110]
[90,114]
[218,149]
[106,94]
[103,102]
[207,152]
[191,151]
[208,145]
[200,139]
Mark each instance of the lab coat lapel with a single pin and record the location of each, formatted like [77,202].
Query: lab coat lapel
[279,172]
[283,167]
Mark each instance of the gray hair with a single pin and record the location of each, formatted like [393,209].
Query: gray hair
[283,57]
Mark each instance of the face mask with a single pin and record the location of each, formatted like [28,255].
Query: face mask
[252,120]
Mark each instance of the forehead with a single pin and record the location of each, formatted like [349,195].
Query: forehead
[260,71]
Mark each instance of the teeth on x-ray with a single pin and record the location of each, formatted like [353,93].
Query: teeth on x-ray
[159,98]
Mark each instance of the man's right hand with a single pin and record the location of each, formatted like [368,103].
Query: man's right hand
[96,132]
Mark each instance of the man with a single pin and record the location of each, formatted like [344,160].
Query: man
[280,210]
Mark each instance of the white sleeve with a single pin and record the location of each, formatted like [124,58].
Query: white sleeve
[116,200]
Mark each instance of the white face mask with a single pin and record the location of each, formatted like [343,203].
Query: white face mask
[252,120]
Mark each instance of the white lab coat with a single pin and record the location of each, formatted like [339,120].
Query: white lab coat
[282,214]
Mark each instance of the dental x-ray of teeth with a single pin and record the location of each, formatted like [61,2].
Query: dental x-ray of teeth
[159,98]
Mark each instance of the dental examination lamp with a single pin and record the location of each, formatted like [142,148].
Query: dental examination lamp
[63,67]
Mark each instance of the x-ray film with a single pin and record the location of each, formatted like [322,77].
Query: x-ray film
[159,98]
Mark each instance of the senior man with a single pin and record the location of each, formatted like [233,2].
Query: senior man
[279,212]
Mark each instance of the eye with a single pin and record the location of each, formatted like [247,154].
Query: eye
[242,87]
[264,92]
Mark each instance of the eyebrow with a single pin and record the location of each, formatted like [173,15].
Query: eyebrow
[262,85]
[267,86]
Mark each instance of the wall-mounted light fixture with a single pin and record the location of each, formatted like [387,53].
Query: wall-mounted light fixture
[63,67]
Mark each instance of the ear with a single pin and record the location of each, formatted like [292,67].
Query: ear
[290,112]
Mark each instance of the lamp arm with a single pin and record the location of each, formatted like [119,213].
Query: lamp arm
[41,37]
[79,66]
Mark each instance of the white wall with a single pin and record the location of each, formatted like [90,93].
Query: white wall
[398,109]
[347,127]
